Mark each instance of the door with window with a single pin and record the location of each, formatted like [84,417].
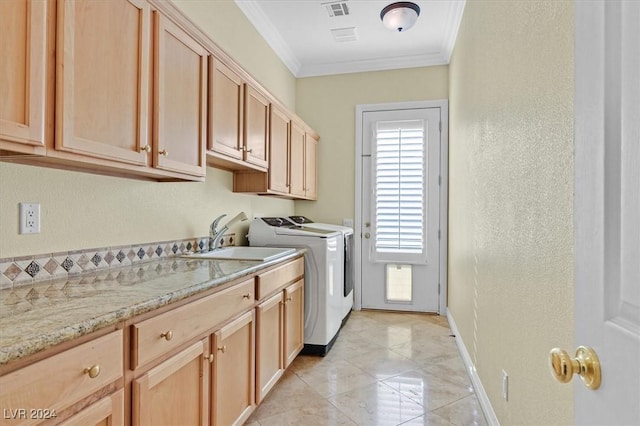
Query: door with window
[400,209]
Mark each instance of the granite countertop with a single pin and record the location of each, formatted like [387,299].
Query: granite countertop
[38,316]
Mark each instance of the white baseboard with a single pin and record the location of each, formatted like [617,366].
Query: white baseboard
[483,399]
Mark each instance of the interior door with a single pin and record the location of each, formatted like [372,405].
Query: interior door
[400,209]
[607,207]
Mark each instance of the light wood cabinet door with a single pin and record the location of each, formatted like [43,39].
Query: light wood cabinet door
[23,43]
[176,392]
[108,411]
[180,89]
[234,372]
[278,150]
[256,128]
[293,321]
[61,380]
[269,344]
[102,72]
[226,110]
[310,167]
[297,161]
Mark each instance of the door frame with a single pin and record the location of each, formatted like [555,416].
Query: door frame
[443,104]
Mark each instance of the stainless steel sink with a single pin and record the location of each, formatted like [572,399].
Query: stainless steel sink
[263,254]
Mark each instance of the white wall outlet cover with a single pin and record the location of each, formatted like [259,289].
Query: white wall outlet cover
[29,218]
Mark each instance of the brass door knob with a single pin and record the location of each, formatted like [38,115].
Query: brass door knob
[168,335]
[146,148]
[93,371]
[210,357]
[223,348]
[586,364]
[367,235]
[164,152]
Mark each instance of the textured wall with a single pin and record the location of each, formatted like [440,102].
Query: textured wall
[328,104]
[510,207]
[81,210]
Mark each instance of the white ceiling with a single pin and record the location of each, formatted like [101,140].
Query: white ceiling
[299,31]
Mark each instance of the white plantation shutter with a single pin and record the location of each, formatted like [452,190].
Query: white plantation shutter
[399,170]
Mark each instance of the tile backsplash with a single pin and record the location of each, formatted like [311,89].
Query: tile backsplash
[29,269]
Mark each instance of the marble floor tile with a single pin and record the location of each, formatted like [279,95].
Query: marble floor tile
[377,404]
[464,412]
[385,368]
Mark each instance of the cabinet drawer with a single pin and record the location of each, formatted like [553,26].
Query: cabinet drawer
[57,382]
[156,336]
[276,278]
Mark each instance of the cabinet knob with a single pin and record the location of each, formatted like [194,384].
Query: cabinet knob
[289,299]
[164,152]
[223,348]
[210,358]
[168,335]
[93,371]
[246,296]
[146,148]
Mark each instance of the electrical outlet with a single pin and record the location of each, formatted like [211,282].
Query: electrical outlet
[505,385]
[29,218]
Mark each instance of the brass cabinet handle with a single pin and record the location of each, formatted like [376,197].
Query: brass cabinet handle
[223,349]
[168,335]
[586,364]
[146,148]
[164,152]
[246,296]
[210,357]
[93,371]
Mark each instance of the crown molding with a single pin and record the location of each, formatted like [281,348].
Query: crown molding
[262,24]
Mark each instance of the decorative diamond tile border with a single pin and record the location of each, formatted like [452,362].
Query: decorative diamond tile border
[26,270]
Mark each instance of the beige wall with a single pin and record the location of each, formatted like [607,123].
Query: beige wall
[510,217]
[81,210]
[328,104]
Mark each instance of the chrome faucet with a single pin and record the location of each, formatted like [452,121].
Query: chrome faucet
[216,235]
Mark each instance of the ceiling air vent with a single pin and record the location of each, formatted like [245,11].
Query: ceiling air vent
[344,34]
[337,9]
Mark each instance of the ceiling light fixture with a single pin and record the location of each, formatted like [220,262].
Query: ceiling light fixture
[400,16]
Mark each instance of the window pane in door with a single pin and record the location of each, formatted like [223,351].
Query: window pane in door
[399,201]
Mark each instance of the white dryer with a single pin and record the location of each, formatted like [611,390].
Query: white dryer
[323,275]
[349,276]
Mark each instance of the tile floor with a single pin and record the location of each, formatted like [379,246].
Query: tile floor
[386,368]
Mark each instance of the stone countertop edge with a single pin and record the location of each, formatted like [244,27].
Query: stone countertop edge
[35,342]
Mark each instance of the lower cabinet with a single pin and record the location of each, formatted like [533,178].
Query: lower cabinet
[174,392]
[234,372]
[269,344]
[108,411]
[293,321]
[209,361]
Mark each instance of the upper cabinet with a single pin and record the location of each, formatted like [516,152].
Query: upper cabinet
[279,126]
[23,49]
[238,121]
[133,88]
[130,88]
[226,110]
[103,78]
[180,99]
[292,161]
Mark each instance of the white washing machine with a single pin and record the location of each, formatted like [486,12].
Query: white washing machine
[323,295]
[349,277]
